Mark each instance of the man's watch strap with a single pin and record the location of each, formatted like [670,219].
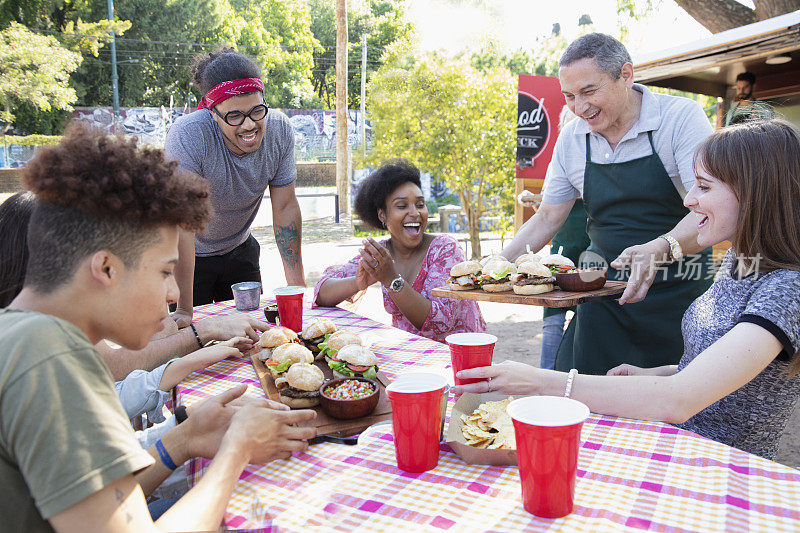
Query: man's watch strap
[675,251]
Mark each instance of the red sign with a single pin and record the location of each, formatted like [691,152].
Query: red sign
[539,104]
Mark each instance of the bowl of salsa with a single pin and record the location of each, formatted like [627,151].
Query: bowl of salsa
[348,398]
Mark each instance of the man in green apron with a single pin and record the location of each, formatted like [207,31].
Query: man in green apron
[630,157]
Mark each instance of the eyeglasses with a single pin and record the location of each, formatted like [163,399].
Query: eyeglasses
[236,118]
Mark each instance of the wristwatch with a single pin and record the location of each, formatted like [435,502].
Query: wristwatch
[675,251]
[396,284]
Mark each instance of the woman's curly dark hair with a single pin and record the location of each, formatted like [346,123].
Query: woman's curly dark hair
[376,187]
[223,64]
[96,192]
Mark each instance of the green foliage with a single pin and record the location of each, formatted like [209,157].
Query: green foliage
[452,120]
[383,23]
[32,140]
[28,118]
[36,70]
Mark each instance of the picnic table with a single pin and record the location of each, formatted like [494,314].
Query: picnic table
[631,474]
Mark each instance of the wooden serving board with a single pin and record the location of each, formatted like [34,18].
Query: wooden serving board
[327,425]
[556,298]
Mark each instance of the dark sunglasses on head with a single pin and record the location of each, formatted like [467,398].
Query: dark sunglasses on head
[236,118]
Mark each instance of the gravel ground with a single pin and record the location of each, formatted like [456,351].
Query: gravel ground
[519,328]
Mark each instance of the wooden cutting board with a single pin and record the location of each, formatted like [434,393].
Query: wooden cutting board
[327,425]
[556,298]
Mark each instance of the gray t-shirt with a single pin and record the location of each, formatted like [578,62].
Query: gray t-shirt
[753,417]
[238,182]
[678,125]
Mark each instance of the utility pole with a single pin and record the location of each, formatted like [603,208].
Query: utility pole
[341,107]
[114,77]
[362,130]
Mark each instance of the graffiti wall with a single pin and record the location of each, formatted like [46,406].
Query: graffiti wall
[314,130]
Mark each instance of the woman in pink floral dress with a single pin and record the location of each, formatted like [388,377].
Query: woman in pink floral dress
[409,264]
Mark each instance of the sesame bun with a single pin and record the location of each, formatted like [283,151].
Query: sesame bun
[342,338]
[357,355]
[305,376]
[492,257]
[557,259]
[524,258]
[465,268]
[498,265]
[532,268]
[528,290]
[317,328]
[276,336]
[292,352]
[497,287]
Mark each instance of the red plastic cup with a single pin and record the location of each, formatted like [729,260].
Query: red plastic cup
[470,350]
[548,435]
[416,419]
[290,307]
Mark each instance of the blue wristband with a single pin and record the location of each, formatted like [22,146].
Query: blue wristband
[165,458]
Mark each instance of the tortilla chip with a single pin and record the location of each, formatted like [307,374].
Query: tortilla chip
[489,426]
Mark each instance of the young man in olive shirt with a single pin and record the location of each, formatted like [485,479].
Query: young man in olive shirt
[103,245]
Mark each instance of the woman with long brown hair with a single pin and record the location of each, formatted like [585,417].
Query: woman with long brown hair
[737,381]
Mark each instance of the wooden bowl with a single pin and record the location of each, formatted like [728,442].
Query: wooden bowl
[588,279]
[348,409]
[271,313]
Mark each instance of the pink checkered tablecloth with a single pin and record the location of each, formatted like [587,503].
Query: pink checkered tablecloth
[631,474]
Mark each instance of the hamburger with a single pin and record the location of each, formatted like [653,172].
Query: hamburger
[338,340]
[316,333]
[557,263]
[533,278]
[282,359]
[464,276]
[274,337]
[495,275]
[524,258]
[301,389]
[354,360]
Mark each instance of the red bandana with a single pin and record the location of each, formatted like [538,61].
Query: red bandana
[226,89]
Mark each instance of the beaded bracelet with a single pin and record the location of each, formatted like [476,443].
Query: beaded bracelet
[570,379]
[196,335]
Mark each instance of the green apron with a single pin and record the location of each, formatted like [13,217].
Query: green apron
[632,203]
[572,236]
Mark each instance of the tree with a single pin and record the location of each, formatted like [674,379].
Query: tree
[715,15]
[36,70]
[453,121]
[383,21]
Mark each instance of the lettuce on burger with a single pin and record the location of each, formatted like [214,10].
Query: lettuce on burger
[354,360]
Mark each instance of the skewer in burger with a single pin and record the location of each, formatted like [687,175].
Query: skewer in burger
[464,276]
[526,257]
[533,278]
[354,360]
[316,333]
[495,276]
[302,384]
[557,263]
[274,337]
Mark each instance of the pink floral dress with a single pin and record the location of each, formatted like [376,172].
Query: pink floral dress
[447,315]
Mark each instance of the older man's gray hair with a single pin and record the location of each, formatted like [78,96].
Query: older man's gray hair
[608,53]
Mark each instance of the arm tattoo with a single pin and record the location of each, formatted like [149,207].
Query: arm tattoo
[120,496]
[288,240]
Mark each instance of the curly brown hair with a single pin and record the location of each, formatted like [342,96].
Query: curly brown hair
[101,192]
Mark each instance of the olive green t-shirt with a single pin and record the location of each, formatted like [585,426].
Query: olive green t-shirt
[63,432]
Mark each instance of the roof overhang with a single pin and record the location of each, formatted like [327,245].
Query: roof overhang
[709,66]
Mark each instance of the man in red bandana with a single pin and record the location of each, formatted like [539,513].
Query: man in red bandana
[242,147]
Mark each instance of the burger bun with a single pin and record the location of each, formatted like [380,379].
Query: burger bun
[465,268]
[529,290]
[497,287]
